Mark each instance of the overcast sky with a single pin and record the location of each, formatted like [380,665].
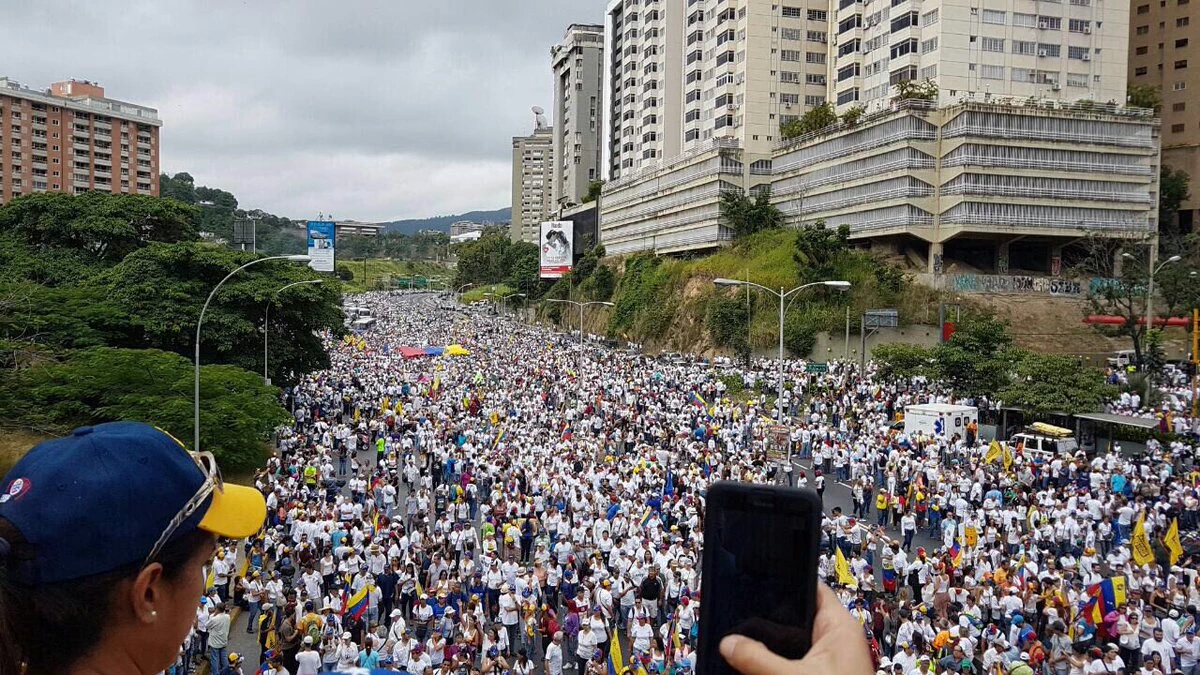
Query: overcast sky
[366,109]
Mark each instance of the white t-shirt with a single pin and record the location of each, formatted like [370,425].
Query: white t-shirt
[308,663]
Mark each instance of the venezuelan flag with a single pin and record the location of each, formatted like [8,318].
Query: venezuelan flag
[568,433]
[956,554]
[616,662]
[697,400]
[1108,594]
[357,606]
[645,519]
[499,437]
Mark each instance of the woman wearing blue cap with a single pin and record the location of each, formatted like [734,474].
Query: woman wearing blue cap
[104,536]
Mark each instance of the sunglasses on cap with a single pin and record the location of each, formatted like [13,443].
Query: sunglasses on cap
[212,482]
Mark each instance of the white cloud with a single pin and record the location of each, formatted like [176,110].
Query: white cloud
[369,109]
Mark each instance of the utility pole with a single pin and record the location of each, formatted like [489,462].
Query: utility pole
[1195,361]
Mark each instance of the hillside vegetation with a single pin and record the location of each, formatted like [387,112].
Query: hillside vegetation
[672,304]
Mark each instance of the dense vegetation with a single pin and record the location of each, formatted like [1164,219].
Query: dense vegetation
[274,235]
[99,296]
[980,360]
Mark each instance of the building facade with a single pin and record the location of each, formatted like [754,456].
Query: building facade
[1162,55]
[578,64]
[70,138]
[1069,51]
[699,90]
[532,169]
[995,188]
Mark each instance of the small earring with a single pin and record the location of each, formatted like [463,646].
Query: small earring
[153,615]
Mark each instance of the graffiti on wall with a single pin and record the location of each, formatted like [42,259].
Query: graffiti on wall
[1015,283]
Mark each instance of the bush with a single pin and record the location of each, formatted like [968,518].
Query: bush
[799,334]
[344,273]
[727,320]
[238,412]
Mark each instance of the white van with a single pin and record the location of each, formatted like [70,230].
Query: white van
[1123,358]
[365,323]
[1045,440]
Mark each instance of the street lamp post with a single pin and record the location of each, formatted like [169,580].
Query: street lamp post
[267,321]
[1153,270]
[200,322]
[504,300]
[458,292]
[783,296]
[580,305]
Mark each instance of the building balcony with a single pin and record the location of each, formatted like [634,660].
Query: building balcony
[82,146]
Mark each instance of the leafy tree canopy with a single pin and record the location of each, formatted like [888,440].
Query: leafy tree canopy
[1051,383]
[746,215]
[815,119]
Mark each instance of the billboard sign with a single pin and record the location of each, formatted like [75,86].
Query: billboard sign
[321,245]
[557,243]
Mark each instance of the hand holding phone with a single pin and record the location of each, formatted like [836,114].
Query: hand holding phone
[759,574]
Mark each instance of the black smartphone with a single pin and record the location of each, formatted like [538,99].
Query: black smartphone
[759,573]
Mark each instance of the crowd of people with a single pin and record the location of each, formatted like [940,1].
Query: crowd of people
[534,507]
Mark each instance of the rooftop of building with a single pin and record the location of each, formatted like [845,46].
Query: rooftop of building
[88,103]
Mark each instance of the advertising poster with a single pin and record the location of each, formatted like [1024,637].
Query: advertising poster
[558,246]
[321,245]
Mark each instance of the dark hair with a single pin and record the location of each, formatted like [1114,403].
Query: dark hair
[50,627]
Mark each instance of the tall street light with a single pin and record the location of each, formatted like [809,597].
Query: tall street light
[1153,270]
[581,305]
[504,299]
[200,322]
[267,321]
[458,293]
[783,296]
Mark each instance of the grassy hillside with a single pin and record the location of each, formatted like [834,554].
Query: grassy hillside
[383,271]
[672,304]
[442,223]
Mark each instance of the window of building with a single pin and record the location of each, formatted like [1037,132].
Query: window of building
[1182,21]
[813,100]
[850,23]
[1024,47]
[1079,26]
[1179,86]
[991,44]
[793,12]
[789,55]
[931,44]
[992,72]
[818,15]
[1049,22]
[1179,107]
[1077,80]
[816,36]
[929,72]
[848,96]
[1140,70]
[1178,128]
[994,16]
[814,78]
[1141,50]
[1142,30]
[1143,9]
[904,47]
[904,21]
[1022,75]
[818,57]
[1077,52]
[1181,64]
[1181,43]
[791,34]
[929,18]
[789,99]
[789,76]
[1050,50]
[1024,20]
[847,72]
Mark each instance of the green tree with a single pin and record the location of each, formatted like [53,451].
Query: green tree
[923,90]
[181,187]
[853,114]
[727,323]
[483,261]
[100,228]
[746,215]
[1051,383]
[900,360]
[524,269]
[1117,291]
[1144,96]
[344,272]
[799,334]
[163,286]
[817,248]
[238,411]
[1173,190]
[593,192]
[816,119]
[976,360]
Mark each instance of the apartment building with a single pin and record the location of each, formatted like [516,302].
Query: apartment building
[578,64]
[996,187]
[974,50]
[532,170]
[698,90]
[1162,55]
[70,138]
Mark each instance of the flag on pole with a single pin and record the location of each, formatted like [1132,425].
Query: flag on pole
[357,606]
[956,554]
[669,483]
[1143,554]
[1171,539]
[697,400]
[1106,596]
[499,437]
[844,575]
[1008,458]
[645,520]
[993,453]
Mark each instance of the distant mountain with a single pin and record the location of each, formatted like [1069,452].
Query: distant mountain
[442,223]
